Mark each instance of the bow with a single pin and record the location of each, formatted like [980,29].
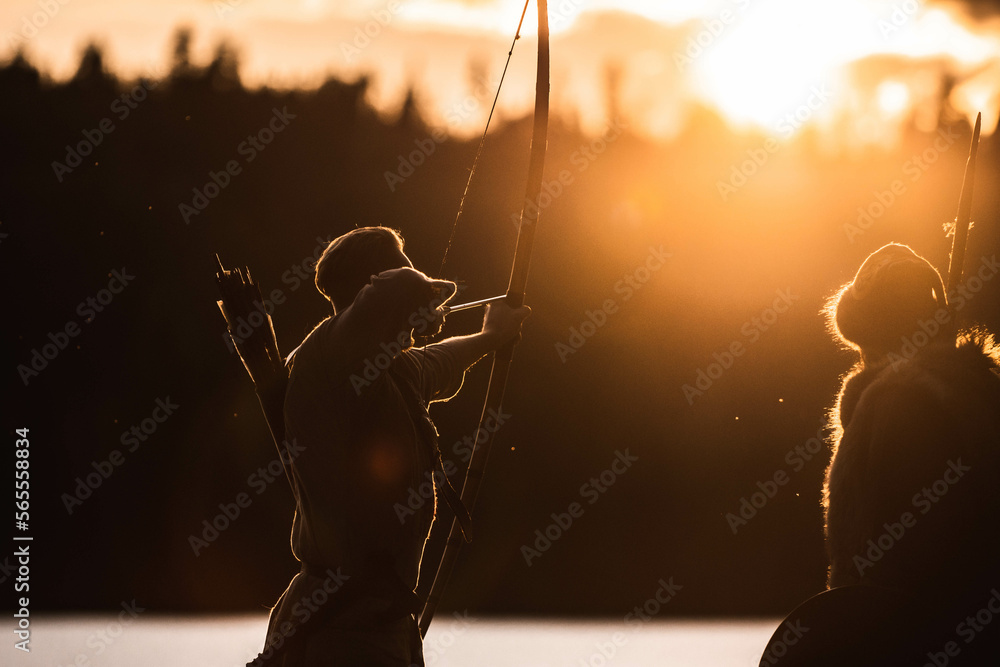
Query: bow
[515,298]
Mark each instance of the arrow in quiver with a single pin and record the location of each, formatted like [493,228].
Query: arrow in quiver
[252,332]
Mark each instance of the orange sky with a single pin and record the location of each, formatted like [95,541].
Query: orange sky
[857,65]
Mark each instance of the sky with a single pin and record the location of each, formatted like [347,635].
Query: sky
[858,67]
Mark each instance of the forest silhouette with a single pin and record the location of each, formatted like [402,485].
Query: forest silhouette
[693,368]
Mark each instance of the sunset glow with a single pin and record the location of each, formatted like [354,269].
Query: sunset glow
[759,63]
[208,213]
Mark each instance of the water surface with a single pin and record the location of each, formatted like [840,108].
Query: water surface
[453,641]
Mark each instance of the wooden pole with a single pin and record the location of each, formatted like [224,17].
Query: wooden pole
[964,216]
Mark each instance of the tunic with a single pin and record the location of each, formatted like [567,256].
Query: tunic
[356,407]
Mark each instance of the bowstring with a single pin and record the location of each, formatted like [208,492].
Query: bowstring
[482,141]
[472,173]
[479,152]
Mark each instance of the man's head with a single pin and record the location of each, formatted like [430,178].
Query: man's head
[350,261]
[893,292]
[417,300]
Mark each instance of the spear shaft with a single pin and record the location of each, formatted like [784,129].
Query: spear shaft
[964,216]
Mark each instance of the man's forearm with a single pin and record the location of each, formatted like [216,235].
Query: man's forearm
[467,350]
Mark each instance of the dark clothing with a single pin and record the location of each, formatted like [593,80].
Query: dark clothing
[356,406]
[915,474]
[912,502]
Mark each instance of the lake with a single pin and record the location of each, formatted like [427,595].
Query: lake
[223,641]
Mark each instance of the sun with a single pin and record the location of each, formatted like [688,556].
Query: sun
[767,59]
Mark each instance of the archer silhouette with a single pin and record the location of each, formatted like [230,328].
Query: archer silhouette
[911,493]
[356,407]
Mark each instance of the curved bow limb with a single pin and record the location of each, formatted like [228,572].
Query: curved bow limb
[515,298]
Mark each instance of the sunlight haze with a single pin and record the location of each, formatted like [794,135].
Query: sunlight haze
[733,56]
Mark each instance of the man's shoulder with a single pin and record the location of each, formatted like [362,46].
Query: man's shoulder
[313,340]
[318,350]
[331,359]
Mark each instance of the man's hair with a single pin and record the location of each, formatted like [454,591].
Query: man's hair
[350,261]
